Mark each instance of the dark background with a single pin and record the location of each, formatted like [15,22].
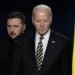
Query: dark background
[63,14]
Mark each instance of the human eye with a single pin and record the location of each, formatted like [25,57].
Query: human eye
[45,20]
[37,20]
[16,26]
[8,26]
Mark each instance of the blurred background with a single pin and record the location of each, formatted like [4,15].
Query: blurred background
[63,14]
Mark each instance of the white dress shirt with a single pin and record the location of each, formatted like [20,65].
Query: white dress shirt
[44,41]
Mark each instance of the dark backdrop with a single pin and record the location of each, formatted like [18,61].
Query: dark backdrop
[63,15]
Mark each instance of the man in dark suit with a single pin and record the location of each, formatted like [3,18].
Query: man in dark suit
[16,24]
[44,52]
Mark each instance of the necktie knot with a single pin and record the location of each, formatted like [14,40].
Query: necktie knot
[41,38]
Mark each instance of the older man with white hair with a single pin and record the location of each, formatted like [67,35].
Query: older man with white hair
[43,52]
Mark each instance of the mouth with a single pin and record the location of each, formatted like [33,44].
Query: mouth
[12,34]
[42,29]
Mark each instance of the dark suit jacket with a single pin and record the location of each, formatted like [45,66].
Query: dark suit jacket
[55,60]
[7,45]
[6,51]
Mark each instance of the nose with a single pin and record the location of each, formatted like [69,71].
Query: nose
[11,29]
[41,23]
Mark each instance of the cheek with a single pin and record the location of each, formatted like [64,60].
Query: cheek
[37,27]
[8,30]
[19,30]
[16,30]
[47,25]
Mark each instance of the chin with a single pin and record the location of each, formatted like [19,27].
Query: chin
[42,34]
[13,37]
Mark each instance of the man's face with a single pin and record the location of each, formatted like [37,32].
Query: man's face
[41,21]
[15,27]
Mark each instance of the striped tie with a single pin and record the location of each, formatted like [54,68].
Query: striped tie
[39,54]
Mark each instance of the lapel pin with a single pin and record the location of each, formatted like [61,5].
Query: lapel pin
[53,41]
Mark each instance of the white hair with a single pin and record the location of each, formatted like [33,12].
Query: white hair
[42,7]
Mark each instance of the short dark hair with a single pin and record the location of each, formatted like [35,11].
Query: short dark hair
[18,14]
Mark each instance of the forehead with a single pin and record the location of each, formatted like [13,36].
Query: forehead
[41,12]
[13,20]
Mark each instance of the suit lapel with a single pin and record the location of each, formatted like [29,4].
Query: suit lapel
[32,51]
[49,54]
[32,48]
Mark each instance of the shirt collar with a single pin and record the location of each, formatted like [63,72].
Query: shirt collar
[45,36]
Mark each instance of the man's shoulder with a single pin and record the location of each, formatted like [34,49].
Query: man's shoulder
[59,36]
[27,37]
[4,39]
